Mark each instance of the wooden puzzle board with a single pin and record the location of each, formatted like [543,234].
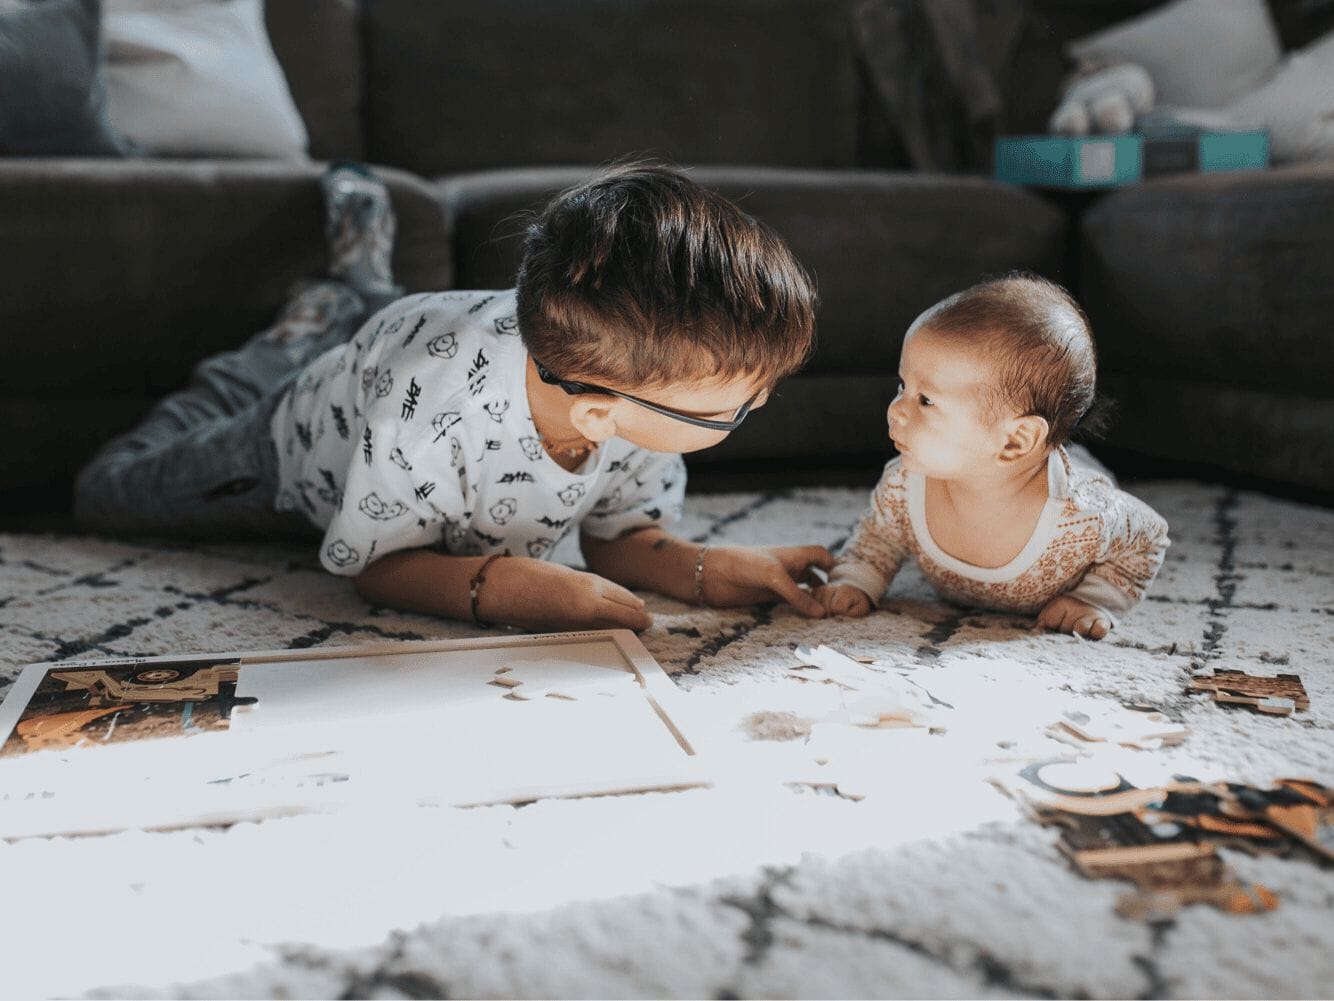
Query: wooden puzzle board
[103,745]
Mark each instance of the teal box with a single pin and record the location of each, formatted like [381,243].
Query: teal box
[1070,161]
[1110,161]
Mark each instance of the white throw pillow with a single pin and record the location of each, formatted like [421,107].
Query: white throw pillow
[1296,106]
[199,78]
[1200,53]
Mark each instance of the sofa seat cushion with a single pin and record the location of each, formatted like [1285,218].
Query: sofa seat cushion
[882,246]
[122,275]
[1216,278]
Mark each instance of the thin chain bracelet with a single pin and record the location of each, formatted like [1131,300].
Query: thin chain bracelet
[699,576]
[475,588]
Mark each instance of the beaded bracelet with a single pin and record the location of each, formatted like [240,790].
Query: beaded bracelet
[475,588]
[699,575]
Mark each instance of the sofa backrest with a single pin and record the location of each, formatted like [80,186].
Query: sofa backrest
[318,43]
[474,84]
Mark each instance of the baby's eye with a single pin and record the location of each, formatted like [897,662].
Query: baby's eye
[923,400]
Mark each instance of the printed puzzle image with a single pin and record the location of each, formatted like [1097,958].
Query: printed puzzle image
[113,704]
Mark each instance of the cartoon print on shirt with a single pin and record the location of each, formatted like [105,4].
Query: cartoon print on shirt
[477,373]
[444,346]
[441,423]
[519,500]
[330,492]
[532,447]
[507,325]
[416,327]
[479,304]
[340,554]
[414,393]
[503,510]
[374,506]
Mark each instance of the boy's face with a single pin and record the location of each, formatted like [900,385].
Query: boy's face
[939,420]
[711,399]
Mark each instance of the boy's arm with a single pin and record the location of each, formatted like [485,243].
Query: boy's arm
[653,558]
[516,591]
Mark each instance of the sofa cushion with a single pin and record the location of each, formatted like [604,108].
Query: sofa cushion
[121,275]
[1216,277]
[473,84]
[882,246]
[318,43]
[54,93]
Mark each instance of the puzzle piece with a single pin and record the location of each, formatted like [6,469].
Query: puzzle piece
[1277,696]
[1147,731]
[526,685]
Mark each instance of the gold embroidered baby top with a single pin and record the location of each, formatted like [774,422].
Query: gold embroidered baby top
[1092,540]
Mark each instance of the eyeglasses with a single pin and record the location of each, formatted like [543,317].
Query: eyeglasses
[577,388]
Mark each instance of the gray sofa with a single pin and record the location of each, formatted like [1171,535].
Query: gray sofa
[122,274]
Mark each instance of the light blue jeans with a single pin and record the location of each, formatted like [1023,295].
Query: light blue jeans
[202,463]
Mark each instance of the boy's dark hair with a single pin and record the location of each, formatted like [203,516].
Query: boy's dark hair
[641,278]
[1039,342]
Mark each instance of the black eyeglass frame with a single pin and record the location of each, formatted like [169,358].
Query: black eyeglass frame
[579,388]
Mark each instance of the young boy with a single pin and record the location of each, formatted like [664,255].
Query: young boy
[985,495]
[452,429]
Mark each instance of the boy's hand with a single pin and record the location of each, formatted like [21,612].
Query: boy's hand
[539,596]
[750,575]
[844,600]
[1070,615]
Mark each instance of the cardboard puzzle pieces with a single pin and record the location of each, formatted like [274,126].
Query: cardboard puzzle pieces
[1164,839]
[1277,696]
[1129,727]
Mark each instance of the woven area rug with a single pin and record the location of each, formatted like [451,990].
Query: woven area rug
[934,884]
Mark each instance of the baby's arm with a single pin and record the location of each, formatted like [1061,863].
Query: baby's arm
[1132,554]
[873,555]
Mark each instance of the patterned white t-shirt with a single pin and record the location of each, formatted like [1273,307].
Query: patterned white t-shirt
[417,434]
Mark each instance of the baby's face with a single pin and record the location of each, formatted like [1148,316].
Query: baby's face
[940,421]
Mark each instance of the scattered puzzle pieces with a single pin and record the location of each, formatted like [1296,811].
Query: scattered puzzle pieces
[1128,727]
[1277,696]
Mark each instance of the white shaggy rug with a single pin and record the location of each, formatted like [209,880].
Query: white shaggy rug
[933,885]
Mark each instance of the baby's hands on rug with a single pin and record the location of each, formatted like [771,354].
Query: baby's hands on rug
[750,575]
[1065,614]
[844,600]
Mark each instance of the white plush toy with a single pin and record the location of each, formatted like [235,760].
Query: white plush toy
[1105,100]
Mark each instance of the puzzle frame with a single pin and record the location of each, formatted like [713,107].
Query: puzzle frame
[331,743]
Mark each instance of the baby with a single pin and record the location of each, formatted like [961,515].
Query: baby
[986,495]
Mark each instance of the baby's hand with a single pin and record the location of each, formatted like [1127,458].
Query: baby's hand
[843,600]
[1070,615]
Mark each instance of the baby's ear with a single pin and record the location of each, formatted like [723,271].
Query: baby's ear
[1027,437]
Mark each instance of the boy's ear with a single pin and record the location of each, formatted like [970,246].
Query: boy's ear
[594,417]
[1026,437]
